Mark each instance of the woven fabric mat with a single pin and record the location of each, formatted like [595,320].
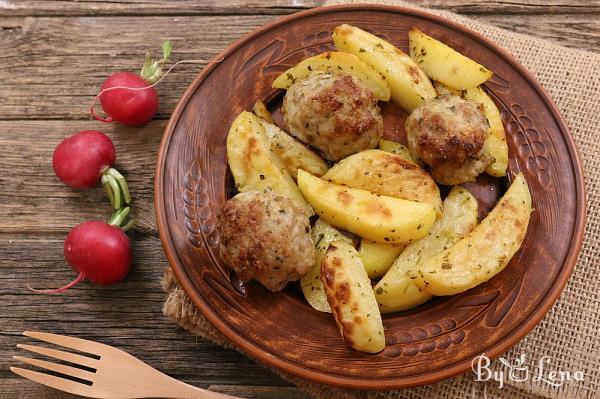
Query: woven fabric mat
[570,333]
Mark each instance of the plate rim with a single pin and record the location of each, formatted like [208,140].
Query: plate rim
[283,365]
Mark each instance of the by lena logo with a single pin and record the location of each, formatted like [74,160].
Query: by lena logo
[520,371]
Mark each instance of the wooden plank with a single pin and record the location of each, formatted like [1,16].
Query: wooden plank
[580,31]
[34,200]
[260,392]
[512,6]
[20,388]
[151,7]
[63,61]
[127,315]
[189,7]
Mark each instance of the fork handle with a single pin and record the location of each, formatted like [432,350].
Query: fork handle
[180,390]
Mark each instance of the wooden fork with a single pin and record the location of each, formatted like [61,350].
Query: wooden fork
[116,374]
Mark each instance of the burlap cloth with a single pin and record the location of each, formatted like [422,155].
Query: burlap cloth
[570,332]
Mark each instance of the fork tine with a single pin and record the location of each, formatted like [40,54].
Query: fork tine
[59,368]
[61,355]
[79,344]
[54,382]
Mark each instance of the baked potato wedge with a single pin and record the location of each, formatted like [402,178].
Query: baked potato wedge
[260,109]
[443,90]
[396,291]
[444,64]
[377,257]
[396,148]
[409,85]
[254,166]
[495,143]
[386,174]
[336,62]
[322,234]
[484,252]
[376,217]
[293,154]
[351,298]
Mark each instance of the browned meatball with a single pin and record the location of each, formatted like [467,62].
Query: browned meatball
[334,113]
[447,133]
[265,237]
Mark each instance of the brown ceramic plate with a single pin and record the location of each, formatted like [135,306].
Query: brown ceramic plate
[436,340]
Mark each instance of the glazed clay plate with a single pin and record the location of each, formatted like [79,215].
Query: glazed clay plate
[432,342]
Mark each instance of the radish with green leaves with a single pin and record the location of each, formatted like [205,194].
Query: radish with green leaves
[82,160]
[98,251]
[129,98]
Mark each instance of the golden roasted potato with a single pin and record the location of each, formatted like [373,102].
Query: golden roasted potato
[484,252]
[336,62]
[495,143]
[376,217]
[443,90]
[387,174]
[409,85]
[293,154]
[260,110]
[351,298]
[377,257]
[396,291]
[444,64]
[322,234]
[253,166]
[396,148]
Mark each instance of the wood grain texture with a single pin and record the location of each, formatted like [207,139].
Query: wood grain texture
[34,200]
[62,80]
[20,389]
[63,61]
[512,6]
[152,7]
[188,7]
[127,315]
[50,69]
[580,31]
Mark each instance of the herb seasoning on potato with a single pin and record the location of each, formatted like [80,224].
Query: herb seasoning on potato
[351,298]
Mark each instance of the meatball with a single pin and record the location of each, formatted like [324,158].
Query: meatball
[447,133]
[265,237]
[334,113]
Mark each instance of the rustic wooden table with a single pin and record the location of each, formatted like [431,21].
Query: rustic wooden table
[54,56]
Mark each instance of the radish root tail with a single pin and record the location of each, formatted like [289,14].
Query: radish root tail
[73,283]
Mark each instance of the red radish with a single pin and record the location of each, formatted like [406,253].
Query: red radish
[121,104]
[129,98]
[82,160]
[99,251]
